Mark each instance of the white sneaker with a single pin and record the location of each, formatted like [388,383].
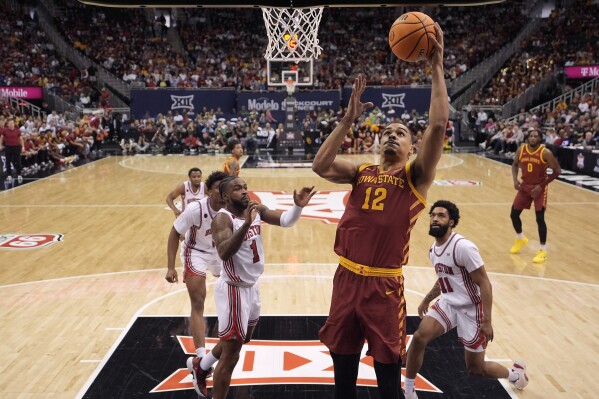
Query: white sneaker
[520,368]
[411,395]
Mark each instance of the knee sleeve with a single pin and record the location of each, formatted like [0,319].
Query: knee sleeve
[540,215]
[388,379]
[346,374]
[516,222]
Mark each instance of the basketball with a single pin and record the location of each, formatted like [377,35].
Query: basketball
[409,36]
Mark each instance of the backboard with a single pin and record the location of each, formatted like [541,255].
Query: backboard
[278,71]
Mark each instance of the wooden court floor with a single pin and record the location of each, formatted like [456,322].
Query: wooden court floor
[62,307]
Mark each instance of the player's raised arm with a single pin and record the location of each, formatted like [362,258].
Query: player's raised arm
[226,241]
[425,164]
[325,165]
[170,198]
[290,216]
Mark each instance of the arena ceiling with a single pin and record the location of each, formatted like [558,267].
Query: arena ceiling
[284,3]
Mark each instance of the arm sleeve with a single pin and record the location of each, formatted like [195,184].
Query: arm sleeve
[291,216]
[550,178]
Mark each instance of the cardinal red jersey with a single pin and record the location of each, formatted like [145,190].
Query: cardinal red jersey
[534,167]
[381,211]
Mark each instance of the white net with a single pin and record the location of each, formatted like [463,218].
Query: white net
[292,32]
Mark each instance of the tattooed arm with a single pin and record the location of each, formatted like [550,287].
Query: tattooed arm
[433,293]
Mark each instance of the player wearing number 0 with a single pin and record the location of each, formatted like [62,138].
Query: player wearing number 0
[373,237]
[236,231]
[533,159]
[466,302]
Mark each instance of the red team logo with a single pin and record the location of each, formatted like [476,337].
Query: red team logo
[28,241]
[265,362]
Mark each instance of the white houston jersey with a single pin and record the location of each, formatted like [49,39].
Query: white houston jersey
[189,196]
[195,222]
[247,264]
[453,263]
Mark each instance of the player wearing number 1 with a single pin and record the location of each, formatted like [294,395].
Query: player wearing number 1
[373,237]
[466,302]
[236,231]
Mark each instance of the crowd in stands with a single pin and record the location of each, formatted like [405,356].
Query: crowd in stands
[131,47]
[568,125]
[225,46]
[346,35]
[52,142]
[27,58]
[212,35]
[568,37]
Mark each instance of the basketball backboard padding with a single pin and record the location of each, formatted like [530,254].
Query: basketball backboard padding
[283,4]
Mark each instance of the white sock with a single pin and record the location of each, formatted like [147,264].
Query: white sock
[408,384]
[513,376]
[544,247]
[521,236]
[201,352]
[208,361]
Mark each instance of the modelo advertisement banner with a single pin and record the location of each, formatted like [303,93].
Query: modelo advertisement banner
[156,101]
[582,72]
[26,93]
[305,101]
[395,98]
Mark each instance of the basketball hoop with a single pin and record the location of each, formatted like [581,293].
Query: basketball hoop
[290,84]
[292,32]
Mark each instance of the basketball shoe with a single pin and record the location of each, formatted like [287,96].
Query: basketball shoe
[411,394]
[540,257]
[520,368]
[518,245]
[198,375]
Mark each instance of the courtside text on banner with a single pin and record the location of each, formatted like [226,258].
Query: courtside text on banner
[25,92]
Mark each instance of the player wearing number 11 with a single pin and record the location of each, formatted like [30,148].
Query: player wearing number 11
[465,304]
[373,237]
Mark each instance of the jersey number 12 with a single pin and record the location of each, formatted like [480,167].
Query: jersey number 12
[378,204]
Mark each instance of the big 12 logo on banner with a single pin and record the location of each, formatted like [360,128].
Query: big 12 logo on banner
[28,241]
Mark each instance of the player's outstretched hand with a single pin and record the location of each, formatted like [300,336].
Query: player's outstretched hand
[171,276]
[356,107]
[436,56]
[251,212]
[302,198]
